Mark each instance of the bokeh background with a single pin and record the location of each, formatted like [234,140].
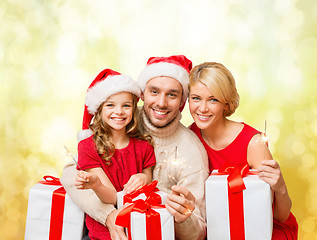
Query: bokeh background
[50,51]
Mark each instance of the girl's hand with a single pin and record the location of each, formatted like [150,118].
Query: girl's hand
[86,180]
[135,182]
[270,172]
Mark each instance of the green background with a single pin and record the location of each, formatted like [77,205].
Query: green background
[50,51]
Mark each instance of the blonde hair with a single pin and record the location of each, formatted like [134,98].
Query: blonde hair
[220,82]
[102,132]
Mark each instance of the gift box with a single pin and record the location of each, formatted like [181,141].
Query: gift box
[142,193]
[52,214]
[146,219]
[238,205]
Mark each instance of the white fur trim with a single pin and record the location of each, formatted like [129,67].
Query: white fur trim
[83,134]
[99,93]
[165,69]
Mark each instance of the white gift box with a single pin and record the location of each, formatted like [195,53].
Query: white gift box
[39,215]
[138,225]
[257,208]
[135,214]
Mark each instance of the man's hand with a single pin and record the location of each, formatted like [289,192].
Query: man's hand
[181,203]
[116,232]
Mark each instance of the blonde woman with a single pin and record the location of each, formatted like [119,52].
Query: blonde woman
[213,97]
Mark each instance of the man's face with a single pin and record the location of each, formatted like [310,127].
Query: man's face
[162,99]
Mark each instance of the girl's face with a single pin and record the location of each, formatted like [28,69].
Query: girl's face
[205,109]
[117,111]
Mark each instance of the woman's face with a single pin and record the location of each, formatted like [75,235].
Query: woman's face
[205,109]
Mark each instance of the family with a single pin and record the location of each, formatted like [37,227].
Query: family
[123,146]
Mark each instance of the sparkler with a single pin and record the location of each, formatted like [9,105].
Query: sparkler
[264,138]
[175,161]
[71,155]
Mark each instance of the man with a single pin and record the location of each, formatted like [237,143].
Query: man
[181,161]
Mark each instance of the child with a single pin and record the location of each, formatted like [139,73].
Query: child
[213,97]
[114,155]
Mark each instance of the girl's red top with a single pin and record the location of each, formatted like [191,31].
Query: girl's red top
[125,162]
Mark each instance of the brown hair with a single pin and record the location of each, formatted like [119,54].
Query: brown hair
[219,80]
[102,132]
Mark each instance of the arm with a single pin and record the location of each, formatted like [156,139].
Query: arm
[187,205]
[188,197]
[260,158]
[97,180]
[86,200]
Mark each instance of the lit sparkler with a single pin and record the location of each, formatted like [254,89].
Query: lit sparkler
[175,161]
[72,156]
[264,138]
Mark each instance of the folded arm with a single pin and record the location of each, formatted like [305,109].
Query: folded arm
[86,200]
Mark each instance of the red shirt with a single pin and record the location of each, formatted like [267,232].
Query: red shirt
[125,162]
[235,154]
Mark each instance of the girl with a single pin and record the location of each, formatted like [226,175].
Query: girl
[213,97]
[114,155]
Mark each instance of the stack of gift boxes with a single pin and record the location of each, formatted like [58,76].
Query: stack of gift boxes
[238,207]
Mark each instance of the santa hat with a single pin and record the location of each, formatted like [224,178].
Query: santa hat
[107,83]
[177,67]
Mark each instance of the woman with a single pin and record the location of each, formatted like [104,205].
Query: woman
[213,97]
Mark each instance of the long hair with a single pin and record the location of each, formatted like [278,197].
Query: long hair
[102,132]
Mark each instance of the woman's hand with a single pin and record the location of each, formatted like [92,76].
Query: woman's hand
[270,172]
[135,182]
[86,180]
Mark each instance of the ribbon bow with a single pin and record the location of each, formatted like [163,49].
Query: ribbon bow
[153,219]
[235,178]
[149,191]
[50,180]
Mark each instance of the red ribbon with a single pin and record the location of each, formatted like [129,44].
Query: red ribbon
[153,218]
[235,198]
[149,191]
[57,208]
[50,180]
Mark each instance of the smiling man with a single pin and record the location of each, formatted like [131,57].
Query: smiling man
[181,160]
[163,95]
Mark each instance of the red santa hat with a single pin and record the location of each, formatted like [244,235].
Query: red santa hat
[177,67]
[107,83]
